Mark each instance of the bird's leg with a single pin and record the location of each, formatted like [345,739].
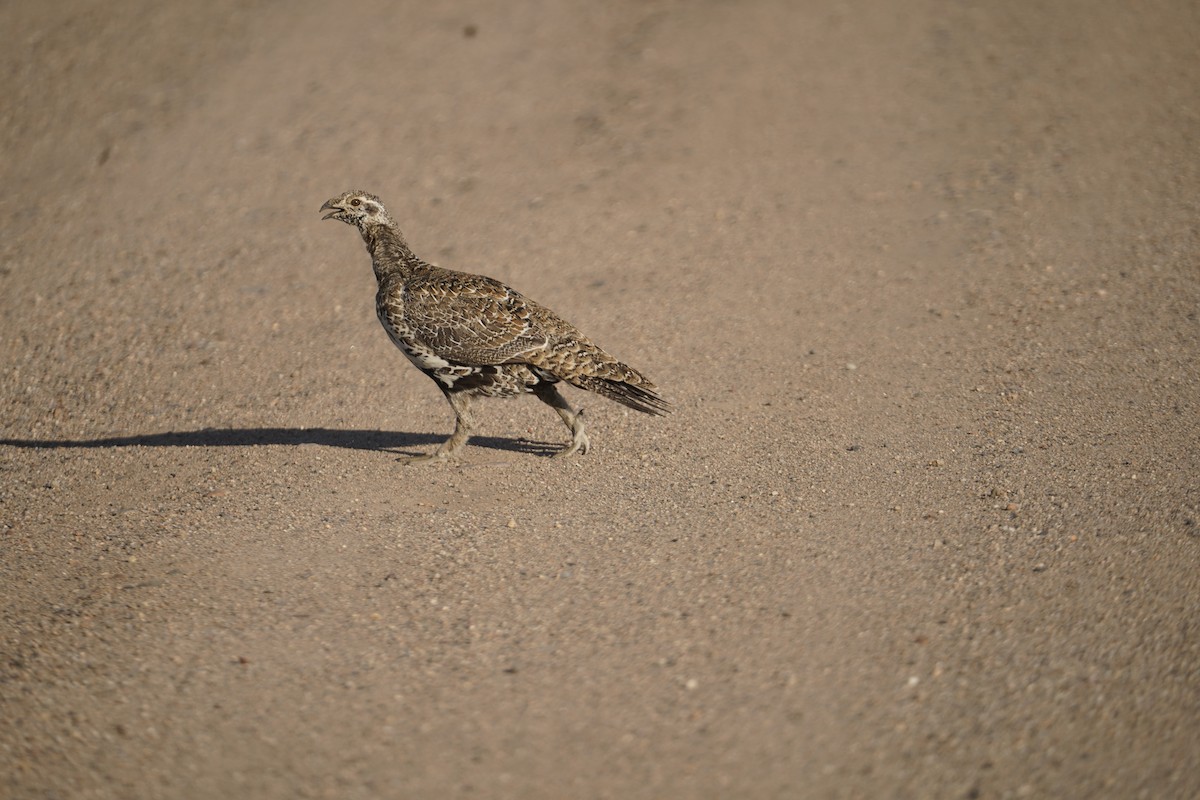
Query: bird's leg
[460,402]
[571,418]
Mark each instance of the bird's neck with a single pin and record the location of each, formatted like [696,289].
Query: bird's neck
[389,252]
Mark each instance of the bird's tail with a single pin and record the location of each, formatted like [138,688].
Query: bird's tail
[635,391]
[581,363]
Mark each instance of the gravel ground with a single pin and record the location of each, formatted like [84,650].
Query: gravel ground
[922,280]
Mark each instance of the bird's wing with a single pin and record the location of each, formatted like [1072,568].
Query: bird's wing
[470,319]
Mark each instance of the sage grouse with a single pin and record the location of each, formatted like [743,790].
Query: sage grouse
[477,337]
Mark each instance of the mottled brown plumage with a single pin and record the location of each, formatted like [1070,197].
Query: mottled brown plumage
[477,337]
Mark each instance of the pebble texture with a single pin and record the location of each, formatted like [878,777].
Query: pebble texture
[919,278]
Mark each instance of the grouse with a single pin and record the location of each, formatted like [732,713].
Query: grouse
[476,337]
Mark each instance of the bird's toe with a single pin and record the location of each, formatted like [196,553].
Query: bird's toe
[426,458]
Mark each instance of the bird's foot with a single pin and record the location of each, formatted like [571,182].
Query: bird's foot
[579,439]
[452,445]
[426,458]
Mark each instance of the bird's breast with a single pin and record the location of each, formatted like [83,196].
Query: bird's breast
[390,310]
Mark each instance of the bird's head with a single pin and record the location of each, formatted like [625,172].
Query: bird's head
[356,208]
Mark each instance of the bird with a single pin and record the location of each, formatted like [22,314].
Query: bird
[476,337]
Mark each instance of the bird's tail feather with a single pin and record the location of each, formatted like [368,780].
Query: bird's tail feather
[641,398]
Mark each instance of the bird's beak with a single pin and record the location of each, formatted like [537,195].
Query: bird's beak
[333,205]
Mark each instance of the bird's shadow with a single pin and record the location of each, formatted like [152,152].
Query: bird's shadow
[399,443]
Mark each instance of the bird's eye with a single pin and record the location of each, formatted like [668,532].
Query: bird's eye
[356,202]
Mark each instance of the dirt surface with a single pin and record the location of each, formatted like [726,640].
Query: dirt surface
[922,280]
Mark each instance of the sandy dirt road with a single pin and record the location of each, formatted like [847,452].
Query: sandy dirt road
[922,279]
